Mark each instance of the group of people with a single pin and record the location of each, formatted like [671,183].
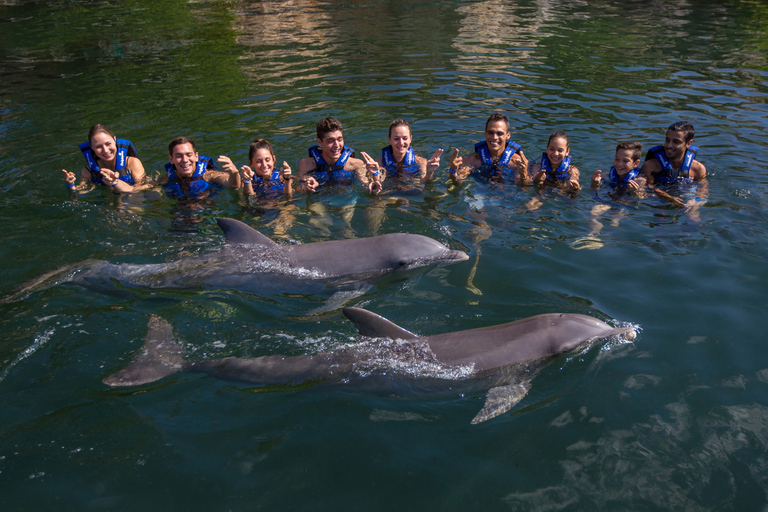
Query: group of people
[114,163]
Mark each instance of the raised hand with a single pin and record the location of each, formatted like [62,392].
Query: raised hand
[434,162]
[226,164]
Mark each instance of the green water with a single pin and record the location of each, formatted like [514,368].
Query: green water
[677,420]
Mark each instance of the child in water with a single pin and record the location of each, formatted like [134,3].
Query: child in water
[555,168]
[625,175]
[109,161]
[623,178]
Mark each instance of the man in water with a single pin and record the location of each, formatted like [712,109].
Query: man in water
[675,162]
[494,158]
[191,176]
[333,163]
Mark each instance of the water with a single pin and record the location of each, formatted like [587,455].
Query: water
[678,420]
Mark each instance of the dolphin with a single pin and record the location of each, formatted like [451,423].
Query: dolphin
[252,262]
[503,357]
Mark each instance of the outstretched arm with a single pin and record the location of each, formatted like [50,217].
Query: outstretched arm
[365,167]
[229,177]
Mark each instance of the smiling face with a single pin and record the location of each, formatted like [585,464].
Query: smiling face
[624,161]
[184,159]
[675,145]
[331,146]
[104,146]
[557,149]
[400,139]
[496,136]
[263,162]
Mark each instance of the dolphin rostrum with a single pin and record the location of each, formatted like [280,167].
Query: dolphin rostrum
[252,262]
[503,357]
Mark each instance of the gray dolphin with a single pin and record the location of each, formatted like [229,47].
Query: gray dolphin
[252,262]
[503,357]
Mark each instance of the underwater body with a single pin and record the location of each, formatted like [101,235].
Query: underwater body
[674,420]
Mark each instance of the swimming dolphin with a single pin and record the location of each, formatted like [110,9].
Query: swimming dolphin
[503,357]
[252,262]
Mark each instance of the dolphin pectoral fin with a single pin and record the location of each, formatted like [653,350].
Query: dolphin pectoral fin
[501,399]
[237,232]
[160,357]
[375,326]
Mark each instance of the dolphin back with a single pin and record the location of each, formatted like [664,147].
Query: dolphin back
[375,326]
[237,232]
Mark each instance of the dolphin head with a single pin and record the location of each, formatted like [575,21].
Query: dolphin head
[411,251]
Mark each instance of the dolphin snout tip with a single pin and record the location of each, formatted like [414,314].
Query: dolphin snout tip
[458,256]
[631,334]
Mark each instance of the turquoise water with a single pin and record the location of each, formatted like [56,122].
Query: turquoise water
[677,420]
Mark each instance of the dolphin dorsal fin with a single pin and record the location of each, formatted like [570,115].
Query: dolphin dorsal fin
[375,326]
[237,232]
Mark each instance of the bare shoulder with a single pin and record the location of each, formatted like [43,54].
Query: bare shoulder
[354,163]
[650,167]
[472,160]
[306,164]
[698,170]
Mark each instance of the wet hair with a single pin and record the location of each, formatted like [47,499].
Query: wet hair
[328,125]
[635,147]
[495,117]
[180,140]
[685,127]
[259,144]
[559,135]
[396,124]
[100,128]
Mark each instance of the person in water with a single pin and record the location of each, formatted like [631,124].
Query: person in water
[191,176]
[494,158]
[625,174]
[399,158]
[675,162]
[109,161]
[261,177]
[623,178]
[333,163]
[555,168]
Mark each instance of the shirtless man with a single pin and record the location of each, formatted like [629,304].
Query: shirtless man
[331,162]
[493,158]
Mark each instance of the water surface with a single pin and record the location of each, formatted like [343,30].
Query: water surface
[678,420]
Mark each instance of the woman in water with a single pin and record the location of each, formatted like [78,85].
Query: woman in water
[262,180]
[399,160]
[555,168]
[261,177]
[109,161]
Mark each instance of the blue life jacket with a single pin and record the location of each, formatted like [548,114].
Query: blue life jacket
[488,167]
[197,184]
[326,173]
[124,150]
[622,182]
[667,175]
[563,171]
[409,165]
[275,184]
